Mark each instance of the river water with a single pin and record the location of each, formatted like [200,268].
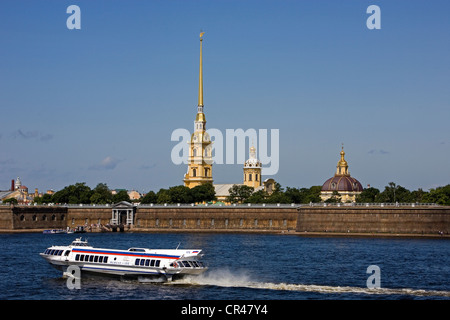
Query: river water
[241,267]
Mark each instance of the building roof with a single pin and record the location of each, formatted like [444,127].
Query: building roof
[342,183]
[5,194]
[222,189]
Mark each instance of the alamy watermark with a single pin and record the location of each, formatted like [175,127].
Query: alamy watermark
[232,147]
[73,274]
[374,280]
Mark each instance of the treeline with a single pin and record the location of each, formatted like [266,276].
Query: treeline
[246,194]
[81,193]
[101,194]
[395,193]
[392,193]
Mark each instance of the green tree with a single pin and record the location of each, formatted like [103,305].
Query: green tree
[203,192]
[150,197]
[239,193]
[163,196]
[303,195]
[74,194]
[122,195]
[259,196]
[180,194]
[395,193]
[10,200]
[368,195]
[101,194]
[440,195]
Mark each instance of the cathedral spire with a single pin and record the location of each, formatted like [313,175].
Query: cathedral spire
[200,147]
[200,78]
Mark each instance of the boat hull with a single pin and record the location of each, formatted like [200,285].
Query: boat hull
[134,263]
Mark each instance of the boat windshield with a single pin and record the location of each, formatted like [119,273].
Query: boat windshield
[79,243]
[137,249]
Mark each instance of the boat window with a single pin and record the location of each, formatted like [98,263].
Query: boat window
[95,258]
[67,253]
[147,262]
[86,258]
[195,264]
[136,263]
[152,263]
[142,262]
[105,260]
[77,257]
[136,250]
[100,259]
[157,263]
[51,252]
[91,258]
[60,252]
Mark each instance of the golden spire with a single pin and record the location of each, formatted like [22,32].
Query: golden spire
[200,79]
[342,166]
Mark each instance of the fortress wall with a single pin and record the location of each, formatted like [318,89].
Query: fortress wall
[6,221]
[38,217]
[80,216]
[371,220]
[427,220]
[214,218]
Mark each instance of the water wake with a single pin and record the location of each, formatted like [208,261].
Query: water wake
[225,278]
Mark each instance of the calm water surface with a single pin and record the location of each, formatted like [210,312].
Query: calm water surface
[242,266]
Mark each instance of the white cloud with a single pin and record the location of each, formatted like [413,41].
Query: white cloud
[109,163]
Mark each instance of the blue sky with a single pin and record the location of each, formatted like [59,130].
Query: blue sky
[100,104]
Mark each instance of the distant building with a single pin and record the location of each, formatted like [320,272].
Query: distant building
[252,170]
[252,178]
[341,185]
[134,195]
[18,192]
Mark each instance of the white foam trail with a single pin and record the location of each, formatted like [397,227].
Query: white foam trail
[225,278]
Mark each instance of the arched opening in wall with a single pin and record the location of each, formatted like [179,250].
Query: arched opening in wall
[122,217]
[53,217]
[22,218]
[44,218]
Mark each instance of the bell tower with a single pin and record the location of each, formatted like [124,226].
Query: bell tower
[252,170]
[200,147]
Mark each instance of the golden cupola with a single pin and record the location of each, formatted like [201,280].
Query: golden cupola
[342,166]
